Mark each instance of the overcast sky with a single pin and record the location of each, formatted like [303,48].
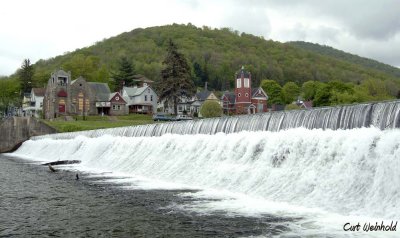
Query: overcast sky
[41,29]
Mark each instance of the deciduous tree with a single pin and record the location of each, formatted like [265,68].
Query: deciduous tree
[211,108]
[290,92]
[273,90]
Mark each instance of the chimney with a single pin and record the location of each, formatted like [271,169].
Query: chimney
[205,87]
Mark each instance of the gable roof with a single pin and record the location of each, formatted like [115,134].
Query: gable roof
[112,95]
[141,78]
[230,96]
[135,91]
[258,92]
[39,92]
[203,95]
[100,90]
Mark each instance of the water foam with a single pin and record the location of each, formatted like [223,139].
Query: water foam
[348,172]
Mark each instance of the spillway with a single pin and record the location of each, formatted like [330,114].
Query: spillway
[341,160]
[382,115]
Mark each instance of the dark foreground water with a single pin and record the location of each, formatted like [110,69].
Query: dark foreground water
[35,202]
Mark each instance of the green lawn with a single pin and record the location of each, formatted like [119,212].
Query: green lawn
[99,122]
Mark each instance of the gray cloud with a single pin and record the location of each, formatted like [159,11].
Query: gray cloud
[249,20]
[364,19]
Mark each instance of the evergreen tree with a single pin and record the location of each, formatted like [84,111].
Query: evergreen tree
[125,75]
[26,76]
[175,80]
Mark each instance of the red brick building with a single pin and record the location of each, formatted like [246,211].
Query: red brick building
[245,100]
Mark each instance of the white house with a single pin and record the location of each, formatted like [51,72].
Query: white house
[140,99]
[34,104]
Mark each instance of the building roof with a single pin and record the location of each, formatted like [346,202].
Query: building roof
[245,73]
[100,90]
[255,92]
[60,72]
[203,95]
[79,78]
[39,92]
[135,91]
[230,96]
[141,78]
[114,94]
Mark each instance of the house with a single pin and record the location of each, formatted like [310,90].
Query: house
[228,103]
[303,104]
[37,96]
[102,94]
[247,100]
[26,105]
[118,106]
[140,99]
[199,99]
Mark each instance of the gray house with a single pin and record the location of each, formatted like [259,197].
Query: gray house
[140,99]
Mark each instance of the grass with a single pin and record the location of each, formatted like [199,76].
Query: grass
[99,122]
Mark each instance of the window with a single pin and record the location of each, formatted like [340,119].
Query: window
[239,94]
[247,95]
[239,83]
[151,97]
[148,90]
[145,97]
[247,83]
[114,107]
[41,104]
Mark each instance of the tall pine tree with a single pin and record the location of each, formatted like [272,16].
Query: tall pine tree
[26,76]
[125,75]
[176,80]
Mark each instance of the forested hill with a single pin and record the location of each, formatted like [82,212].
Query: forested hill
[214,56]
[341,55]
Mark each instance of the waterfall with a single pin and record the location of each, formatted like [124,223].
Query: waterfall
[348,172]
[329,165]
[382,115]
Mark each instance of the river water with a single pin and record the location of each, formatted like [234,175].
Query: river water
[38,203]
[291,183]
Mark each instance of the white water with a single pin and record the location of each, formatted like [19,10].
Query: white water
[327,177]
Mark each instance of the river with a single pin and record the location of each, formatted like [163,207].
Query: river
[38,203]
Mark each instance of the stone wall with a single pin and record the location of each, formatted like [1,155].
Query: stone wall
[15,130]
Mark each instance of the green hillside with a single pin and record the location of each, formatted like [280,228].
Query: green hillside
[341,55]
[214,55]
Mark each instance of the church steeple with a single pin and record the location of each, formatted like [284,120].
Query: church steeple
[243,90]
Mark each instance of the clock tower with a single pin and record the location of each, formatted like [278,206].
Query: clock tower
[243,91]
